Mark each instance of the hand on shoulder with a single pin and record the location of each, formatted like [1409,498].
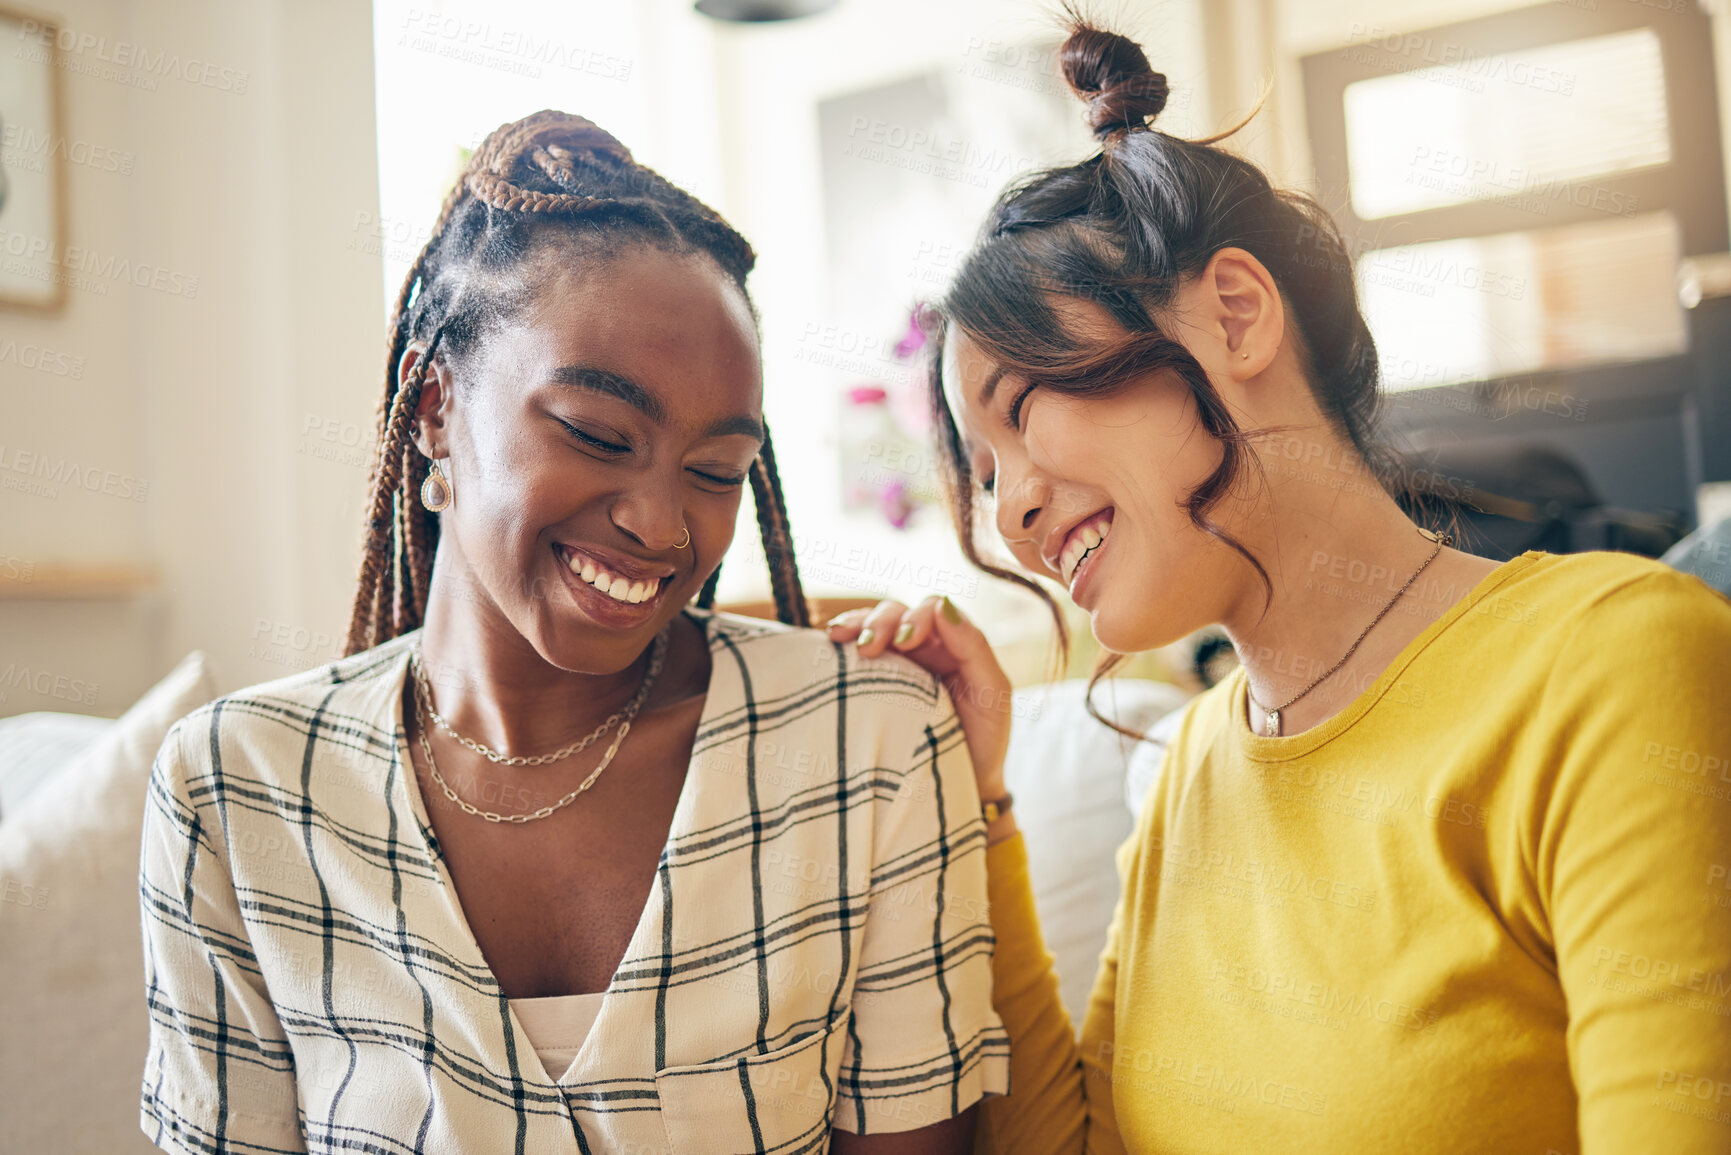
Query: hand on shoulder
[936,636]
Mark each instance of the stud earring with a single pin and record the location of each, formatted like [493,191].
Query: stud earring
[436,491]
[686,542]
[1246,356]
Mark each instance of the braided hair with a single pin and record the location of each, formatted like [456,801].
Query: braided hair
[548,174]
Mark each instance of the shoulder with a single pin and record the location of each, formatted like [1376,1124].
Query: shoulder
[1617,607]
[785,659]
[1628,642]
[800,690]
[1602,583]
[349,702]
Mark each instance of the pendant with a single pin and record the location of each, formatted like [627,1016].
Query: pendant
[1271,727]
[435,491]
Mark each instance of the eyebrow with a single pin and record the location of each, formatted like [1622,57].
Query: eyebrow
[611,384]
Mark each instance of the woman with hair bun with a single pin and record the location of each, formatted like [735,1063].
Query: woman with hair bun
[1442,867]
[558,859]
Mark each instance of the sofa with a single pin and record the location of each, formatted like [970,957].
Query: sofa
[71,809]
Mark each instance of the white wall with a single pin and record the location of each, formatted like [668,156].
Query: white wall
[252,188]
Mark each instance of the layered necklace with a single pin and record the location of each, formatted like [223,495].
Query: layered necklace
[1271,721]
[424,713]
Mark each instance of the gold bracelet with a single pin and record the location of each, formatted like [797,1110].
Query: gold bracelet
[992,809]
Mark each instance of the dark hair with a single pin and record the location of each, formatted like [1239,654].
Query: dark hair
[1123,229]
[550,178]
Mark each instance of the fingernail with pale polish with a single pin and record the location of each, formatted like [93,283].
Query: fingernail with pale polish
[865,637]
[951,613]
[903,634]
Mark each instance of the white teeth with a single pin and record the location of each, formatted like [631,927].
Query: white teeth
[618,588]
[1083,542]
[1072,555]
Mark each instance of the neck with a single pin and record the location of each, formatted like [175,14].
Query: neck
[492,685]
[1335,557]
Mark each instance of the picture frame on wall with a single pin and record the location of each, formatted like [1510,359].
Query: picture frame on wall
[32,163]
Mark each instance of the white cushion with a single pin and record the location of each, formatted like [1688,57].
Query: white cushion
[71,950]
[1067,772]
[34,746]
[1147,759]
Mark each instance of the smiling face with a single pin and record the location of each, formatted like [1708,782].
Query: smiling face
[1089,491]
[583,438]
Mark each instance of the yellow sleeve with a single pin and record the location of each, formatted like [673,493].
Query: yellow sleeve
[1060,1100]
[1044,1112]
[1100,1024]
[1630,861]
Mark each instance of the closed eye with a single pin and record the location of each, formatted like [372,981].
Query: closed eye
[593,441]
[1014,417]
[733,482]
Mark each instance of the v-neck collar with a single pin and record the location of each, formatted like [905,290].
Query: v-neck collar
[724,690]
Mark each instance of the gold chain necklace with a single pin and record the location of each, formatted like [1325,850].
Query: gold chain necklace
[423,689]
[1271,723]
[423,706]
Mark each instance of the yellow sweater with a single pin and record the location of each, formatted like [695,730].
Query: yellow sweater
[1487,907]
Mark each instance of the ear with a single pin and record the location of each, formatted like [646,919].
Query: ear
[432,410]
[1242,313]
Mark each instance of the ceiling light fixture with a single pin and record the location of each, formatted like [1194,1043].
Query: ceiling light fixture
[762,11]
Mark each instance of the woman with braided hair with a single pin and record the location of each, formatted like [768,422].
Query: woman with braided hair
[559,859]
[1431,872]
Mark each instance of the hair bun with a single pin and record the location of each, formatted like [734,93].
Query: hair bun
[1112,73]
[544,130]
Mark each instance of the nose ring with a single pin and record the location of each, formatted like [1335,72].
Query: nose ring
[686,542]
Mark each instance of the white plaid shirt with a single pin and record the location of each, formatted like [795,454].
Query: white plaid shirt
[814,954]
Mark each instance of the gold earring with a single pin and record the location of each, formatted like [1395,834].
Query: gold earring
[686,542]
[1246,356]
[436,491]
